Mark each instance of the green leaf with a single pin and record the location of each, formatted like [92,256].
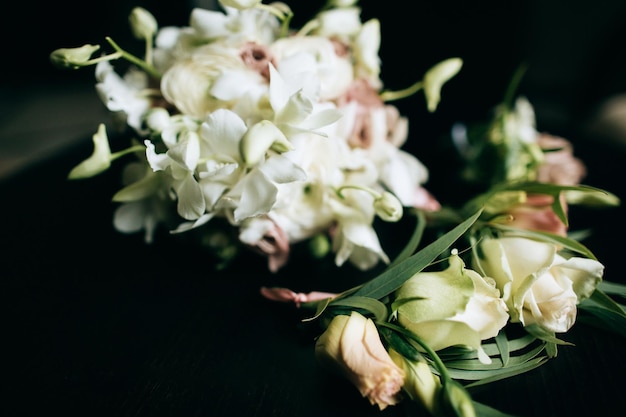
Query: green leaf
[484,410]
[489,376]
[392,278]
[377,308]
[399,343]
[609,287]
[415,240]
[602,300]
[503,346]
[543,334]
[605,319]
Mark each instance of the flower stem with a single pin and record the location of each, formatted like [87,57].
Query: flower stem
[133,59]
[397,95]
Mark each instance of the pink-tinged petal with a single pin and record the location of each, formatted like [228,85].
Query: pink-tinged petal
[537,214]
[425,200]
[285,295]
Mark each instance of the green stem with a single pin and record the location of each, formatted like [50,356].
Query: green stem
[126,151]
[357,187]
[133,59]
[396,95]
[512,87]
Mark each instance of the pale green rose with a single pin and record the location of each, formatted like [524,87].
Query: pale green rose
[538,285]
[352,347]
[453,307]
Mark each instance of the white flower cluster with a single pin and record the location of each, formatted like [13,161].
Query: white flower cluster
[285,134]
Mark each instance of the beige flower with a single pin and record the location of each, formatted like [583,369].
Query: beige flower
[351,345]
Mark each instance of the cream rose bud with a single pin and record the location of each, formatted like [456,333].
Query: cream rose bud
[351,345]
[539,286]
[453,307]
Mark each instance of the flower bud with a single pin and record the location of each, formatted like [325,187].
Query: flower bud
[352,346]
[142,23]
[436,77]
[73,58]
[259,139]
[420,384]
[388,207]
[455,401]
[342,3]
[240,4]
[99,161]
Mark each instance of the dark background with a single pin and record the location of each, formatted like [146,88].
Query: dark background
[100,324]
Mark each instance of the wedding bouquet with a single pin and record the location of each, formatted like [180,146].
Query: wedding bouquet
[251,134]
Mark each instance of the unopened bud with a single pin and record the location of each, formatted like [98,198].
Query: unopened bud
[142,23]
[388,207]
[73,58]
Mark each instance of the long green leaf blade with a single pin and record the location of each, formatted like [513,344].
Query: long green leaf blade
[392,278]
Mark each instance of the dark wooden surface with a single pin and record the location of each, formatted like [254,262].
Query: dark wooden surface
[98,324]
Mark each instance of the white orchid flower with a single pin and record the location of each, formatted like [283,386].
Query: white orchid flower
[366,47]
[235,26]
[259,139]
[342,23]
[181,161]
[355,239]
[226,181]
[125,95]
[145,201]
[294,111]
[312,63]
